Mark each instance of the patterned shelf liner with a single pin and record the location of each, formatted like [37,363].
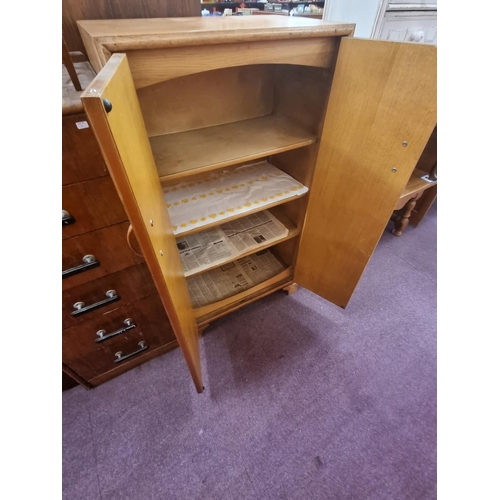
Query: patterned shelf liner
[228,193]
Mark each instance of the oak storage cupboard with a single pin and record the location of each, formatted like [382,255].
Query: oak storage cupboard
[181,105]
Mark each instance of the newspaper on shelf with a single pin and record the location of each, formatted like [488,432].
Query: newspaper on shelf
[213,246]
[232,278]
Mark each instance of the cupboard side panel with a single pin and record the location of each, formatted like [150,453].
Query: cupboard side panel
[383,95]
[122,137]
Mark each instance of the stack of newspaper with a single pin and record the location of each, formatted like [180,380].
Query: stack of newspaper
[232,278]
[214,246]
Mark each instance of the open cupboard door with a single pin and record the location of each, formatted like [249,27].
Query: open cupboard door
[113,109]
[380,114]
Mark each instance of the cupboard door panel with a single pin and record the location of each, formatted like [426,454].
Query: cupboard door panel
[381,112]
[122,136]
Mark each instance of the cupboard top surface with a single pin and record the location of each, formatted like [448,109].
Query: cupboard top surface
[130,34]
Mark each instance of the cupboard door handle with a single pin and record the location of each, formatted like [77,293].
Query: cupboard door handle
[81,308]
[67,218]
[120,357]
[101,334]
[89,262]
[130,236]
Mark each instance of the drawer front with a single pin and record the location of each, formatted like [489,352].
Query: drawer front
[147,314]
[132,346]
[81,156]
[109,248]
[131,363]
[93,205]
[130,285]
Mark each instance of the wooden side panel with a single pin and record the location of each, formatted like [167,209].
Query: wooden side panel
[311,84]
[381,112]
[123,139]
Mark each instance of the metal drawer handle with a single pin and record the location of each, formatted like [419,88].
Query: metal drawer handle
[89,262]
[67,218]
[119,355]
[81,308]
[101,334]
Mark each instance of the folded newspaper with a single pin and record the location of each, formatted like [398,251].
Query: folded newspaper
[214,246]
[232,278]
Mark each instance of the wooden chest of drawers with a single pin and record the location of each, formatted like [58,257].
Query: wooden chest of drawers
[112,317]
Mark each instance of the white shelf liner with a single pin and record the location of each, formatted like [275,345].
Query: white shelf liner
[228,193]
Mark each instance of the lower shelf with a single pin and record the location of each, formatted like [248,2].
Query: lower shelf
[216,309]
[233,278]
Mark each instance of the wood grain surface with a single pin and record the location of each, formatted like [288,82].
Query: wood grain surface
[206,149]
[75,10]
[94,204]
[130,284]
[383,95]
[108,245]
[147,314]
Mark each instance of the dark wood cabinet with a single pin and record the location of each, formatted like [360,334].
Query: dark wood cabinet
[109,302]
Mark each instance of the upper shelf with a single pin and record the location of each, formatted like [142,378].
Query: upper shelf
[205,149]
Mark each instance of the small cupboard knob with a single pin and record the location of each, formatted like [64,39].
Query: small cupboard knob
[107,105]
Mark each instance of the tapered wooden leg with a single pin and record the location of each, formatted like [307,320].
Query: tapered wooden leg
[402,222]
[291,288]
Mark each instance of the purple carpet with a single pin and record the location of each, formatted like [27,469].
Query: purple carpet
[303,400]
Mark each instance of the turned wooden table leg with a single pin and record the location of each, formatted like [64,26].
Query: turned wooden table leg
[291,288]
[402,222]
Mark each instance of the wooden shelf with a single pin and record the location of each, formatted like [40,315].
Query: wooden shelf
[293,231]
[416,184]
[233,301]
[238,216]
[202,150]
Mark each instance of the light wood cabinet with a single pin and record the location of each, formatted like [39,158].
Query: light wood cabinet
[177,100]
